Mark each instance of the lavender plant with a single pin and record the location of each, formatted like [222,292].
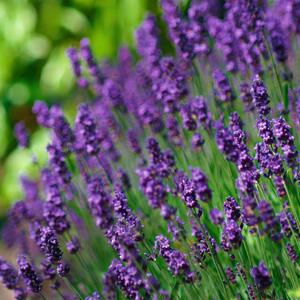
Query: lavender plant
[179,178]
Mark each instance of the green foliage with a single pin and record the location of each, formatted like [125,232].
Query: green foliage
[34,36]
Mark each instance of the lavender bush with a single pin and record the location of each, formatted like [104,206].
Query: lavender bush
[179,178]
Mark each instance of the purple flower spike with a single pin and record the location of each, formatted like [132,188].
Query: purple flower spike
[197,141]
[64,135]
[278,38]
[176,260]
[76,67]
[8,274]
[216,216]
[53,210]
[22,135]
[20,294]
[58,164]
[128,278]
[291,252]
[133,141]
[260,96]
[49,244]
[270,220]
[42,113]
[88,57]
[73,246]
[63,269]
[282,131]
[223,88]
[231,235]
[261,276]
[174,134]
[230,275]
[265,130]
[100,202]
[202,189]
[246,97]
[31,278]
[87,138]
[232,209]
[225,142]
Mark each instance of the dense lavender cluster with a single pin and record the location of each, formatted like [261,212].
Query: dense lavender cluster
[179,177]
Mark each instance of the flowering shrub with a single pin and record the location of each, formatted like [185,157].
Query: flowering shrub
[180,176]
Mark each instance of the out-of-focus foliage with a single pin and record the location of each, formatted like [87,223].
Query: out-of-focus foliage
[34,36]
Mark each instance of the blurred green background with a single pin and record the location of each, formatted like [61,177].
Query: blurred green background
[33,38]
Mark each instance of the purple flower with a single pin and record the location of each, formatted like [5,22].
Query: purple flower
[53,210]
[236,127]
[127,278]
[48,270]
[225,142]
[231,235]
[8,274]
[100,202]
[42,113]
[232,209]
[148,44]
[112,93]
[200,248]
[63,269]
[22,135]
[176,260]
[64,135]
[123,237]
[230,275]
[224,91]
[123,179]
[216,216]
[279,184]
[226,42]
[246,97]
[265,130]
[260,96]
[20,294]
[189,120]
[87,55]
[171,86]
[178,30]
[133,141]
[277,38]
[249,216]
[291,252]
[197,141]
[58,164]
[73,246]
[200,111]
[154,150]
[201,187]
[87,138]
[48,243]
[288,223]
[31,278]
[282,131]
[261,276]
[270,220]
[76,67]
[174,134]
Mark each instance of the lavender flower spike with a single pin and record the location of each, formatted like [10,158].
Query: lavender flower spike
[8,274]
[22,135]
[260,96]
[31,278]
[261,277]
